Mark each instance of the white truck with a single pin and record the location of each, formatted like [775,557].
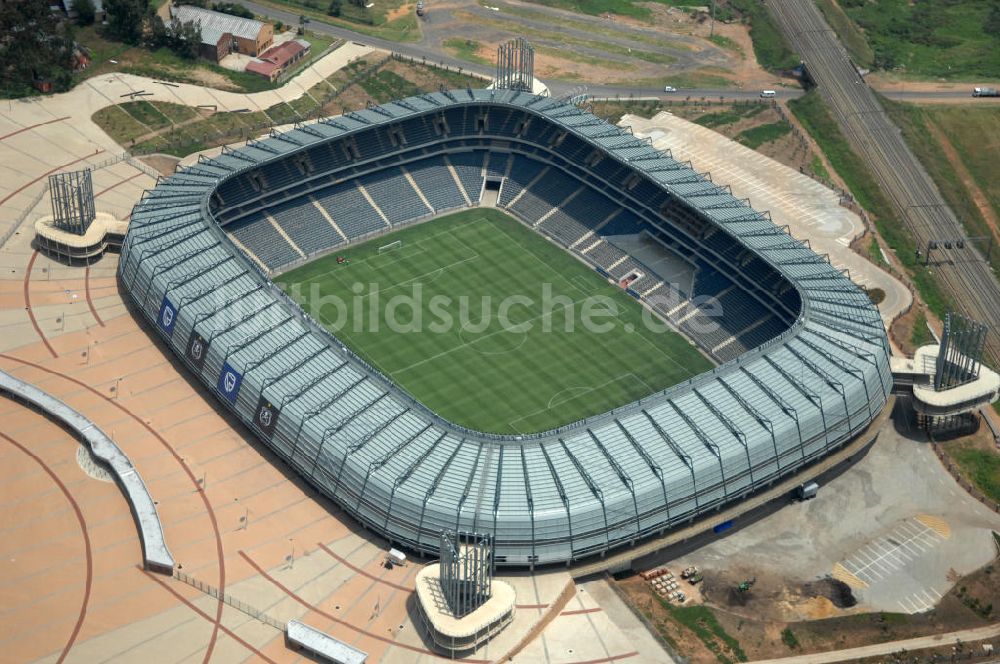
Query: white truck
[985,92]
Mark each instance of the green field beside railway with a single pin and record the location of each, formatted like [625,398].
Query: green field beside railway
[457,314]
[957,40]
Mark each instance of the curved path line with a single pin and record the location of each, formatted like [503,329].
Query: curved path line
[358,570]
[86,543]
[27,305]
[120,182]
[207,617]
[341,621]
[198,488]
[90,301]
[406,589]
[46,173]
[29,127]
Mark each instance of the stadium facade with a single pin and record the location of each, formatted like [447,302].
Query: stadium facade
[804,359]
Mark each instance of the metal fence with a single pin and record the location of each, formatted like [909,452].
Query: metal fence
[239,605]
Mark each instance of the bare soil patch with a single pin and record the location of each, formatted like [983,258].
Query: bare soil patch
[161,162]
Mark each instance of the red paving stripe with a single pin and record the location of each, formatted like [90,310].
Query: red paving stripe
[209,511]
[207,617]
[23,129]
[580,611]
[341,621]
[49,172]
[86,543]
[107,189]
[90,301]
[613,658]
[27,305]
[531,606]
[358,570]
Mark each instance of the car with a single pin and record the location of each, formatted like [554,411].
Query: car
[765,94]
[670,88]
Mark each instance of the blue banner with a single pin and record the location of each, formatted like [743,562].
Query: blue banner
[229,382]
[167,317]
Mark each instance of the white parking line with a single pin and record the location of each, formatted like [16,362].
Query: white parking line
[888,554]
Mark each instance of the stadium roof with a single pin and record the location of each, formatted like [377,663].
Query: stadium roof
[215,24]
[578,490]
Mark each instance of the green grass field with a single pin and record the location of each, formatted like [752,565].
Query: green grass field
[539,370]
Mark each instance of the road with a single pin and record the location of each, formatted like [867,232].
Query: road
[963,274]
[908,645]
[426,48]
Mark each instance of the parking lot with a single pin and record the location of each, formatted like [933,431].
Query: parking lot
[895,527]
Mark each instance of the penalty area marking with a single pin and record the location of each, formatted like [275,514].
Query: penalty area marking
[571,393]
[524,338]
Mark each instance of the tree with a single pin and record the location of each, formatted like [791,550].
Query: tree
[233,9]
[126,19]
[85,11]
[185,38]
[335,6]
[992,25]
[33,45]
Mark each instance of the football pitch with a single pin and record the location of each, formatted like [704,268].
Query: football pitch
[492,326]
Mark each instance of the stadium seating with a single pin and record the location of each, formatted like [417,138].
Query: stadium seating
[350,210]
[394,195]
[469,167]
[305,225]
[257,234]
[436,183]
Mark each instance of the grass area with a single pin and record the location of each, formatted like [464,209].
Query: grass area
[818,168]
[465,49]
[875,253]
[385,20]
[589,27]
[765,133]
[980,466]
[769,45]
[921,334]
[700,620]
[850,34]
[972,132]
[568,43]
[476,337]
[160,64]
[631,8]
[789,639]
[817,120]
[957,39]
[726,43]
[355,83]
[729,115]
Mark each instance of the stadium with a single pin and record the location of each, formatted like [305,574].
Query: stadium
[795,366]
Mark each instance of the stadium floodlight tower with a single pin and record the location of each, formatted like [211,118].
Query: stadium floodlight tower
[950,382]
[72,201]
[960,356]
[462,606]
[466,570]
[515,65]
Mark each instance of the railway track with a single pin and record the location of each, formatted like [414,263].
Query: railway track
[963,273]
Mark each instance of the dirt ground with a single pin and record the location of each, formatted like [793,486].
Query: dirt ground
[816,616]
[163,163]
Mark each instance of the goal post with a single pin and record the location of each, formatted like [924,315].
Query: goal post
[390,247]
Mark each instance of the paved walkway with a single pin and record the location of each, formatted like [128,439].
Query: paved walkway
[107,89]
[852,654]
